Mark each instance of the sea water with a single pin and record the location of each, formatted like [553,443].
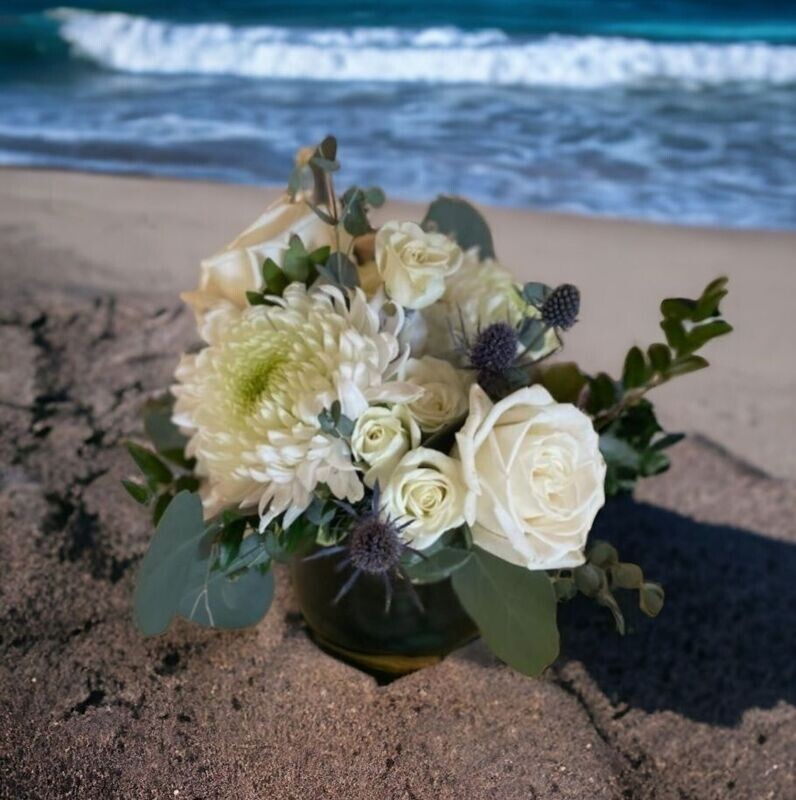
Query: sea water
[681,111]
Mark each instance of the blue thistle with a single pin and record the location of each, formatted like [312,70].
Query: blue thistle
[374,546]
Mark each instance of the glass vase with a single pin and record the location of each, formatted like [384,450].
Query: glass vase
[360,630]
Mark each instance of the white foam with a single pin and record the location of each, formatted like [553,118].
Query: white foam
[439,55]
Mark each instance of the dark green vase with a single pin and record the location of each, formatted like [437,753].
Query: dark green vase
[357,628]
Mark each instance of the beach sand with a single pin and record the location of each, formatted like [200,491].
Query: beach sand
[97,233]
[699,703]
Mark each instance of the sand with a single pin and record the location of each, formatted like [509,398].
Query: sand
[700,703]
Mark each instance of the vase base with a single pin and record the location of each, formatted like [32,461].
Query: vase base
[381,665]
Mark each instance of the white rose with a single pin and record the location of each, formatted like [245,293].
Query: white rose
[381,436]
[444,397]
[227,276]
[414,264]
[426,490]
[537,473]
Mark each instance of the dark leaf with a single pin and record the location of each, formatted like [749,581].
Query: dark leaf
[660,356]
[460,220]
[161,504]
[682,366]
[151,466]
[635,372]
[138,492]
[162,432]
[564,381]
[678,308]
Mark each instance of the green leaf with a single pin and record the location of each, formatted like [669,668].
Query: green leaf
[678,308]
[162,432]
[535,293]
[682,366]
[514,609]
[627,576]
[151,466]
[564,381]
[161,504]
[635,371]
[255,298]
[675,333]
[229,542]
[297,264]
[619,453]
[651,597]
[325,164]
[708,303]
[438,566]
[355,217]
[460,220]
[176,576]
[165,567]
[138,492]
[531,332]
[341,271]
[375,196]
[660,356]
[236,599]
[321,255]
[602,393]
[274,280]
[704,333]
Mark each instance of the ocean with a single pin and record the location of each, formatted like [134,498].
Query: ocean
[668,110]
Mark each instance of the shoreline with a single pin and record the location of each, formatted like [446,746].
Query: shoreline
[274,188]
[99,233]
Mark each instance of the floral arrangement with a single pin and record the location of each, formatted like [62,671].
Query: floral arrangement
[388,397]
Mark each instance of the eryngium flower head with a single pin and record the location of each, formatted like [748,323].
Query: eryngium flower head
[250,400]
[560,309]
[374,545]
[495,348]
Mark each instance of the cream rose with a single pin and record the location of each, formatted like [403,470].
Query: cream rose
[227,276]
[381,436]
[414,264]
[444,397]
[536,470]
[427,491]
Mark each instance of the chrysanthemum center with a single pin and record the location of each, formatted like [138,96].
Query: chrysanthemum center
[255,379]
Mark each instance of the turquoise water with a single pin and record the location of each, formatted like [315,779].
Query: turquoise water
[672,111]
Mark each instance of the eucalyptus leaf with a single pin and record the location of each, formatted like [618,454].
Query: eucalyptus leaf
[535,293]
[176,575]
[167,563]
[439,566]
[514,609]
[461,221]
[216,599]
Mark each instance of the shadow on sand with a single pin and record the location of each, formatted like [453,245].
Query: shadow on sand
[726,639]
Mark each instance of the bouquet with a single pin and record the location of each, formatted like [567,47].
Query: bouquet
[393,400]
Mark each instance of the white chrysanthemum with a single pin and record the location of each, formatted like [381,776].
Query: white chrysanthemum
[479,294]
[250,400]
